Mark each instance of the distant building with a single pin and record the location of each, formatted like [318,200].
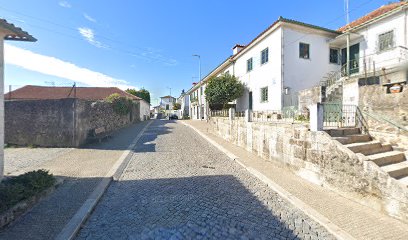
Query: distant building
[167,104]
[31,92]
[184,101]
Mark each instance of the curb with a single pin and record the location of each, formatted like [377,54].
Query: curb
[74,225]
[332,228]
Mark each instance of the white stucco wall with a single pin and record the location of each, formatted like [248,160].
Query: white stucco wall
[144,110]
[299,73]
[1,105]
[265,75]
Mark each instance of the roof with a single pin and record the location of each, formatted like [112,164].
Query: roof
[373,15]
[285,20]
[15,33]
[31,92]
[168,96]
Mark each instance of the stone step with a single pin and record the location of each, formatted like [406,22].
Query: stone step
[368,148]
[397,170]
[404,180]
[341,132]
[387,158]
[353,138]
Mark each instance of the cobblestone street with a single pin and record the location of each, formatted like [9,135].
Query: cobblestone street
[178,186]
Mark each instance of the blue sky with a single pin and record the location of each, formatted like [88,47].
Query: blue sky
[145,43]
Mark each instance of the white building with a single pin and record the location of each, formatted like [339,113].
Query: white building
[7,32]
[144,110]
[184,101]
[286,57]
[166,104]
[377,46]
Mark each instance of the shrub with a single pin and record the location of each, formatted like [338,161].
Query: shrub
[121,105]
[22,187]
[176,106]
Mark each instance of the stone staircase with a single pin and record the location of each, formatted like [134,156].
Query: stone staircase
[389,160]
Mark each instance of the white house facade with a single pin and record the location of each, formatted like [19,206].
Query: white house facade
[377,46]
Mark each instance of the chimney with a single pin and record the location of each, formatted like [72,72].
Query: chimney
[237,48]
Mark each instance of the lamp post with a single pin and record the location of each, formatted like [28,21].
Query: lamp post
[199,82]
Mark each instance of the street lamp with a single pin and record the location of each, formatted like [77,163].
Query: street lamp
[199,66]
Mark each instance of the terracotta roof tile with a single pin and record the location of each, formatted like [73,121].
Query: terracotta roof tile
[372,15]
[17,33]
[30,92]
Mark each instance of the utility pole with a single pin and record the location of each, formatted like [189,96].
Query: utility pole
[199,113]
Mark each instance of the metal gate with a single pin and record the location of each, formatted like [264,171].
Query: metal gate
[337,115]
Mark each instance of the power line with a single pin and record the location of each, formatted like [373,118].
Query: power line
[334,20]
[159,58]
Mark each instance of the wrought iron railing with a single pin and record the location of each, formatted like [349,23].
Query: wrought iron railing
[219,113]
[240,114]
[383,119]
[286,115]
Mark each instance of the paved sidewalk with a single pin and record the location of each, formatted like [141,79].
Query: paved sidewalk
[357,220]
[82,170]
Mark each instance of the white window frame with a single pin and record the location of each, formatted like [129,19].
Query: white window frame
[262,94]
[267,56]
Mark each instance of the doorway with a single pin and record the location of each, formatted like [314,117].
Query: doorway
[250,101]
[353,59]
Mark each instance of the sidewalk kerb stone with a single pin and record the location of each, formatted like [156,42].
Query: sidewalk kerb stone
[73,226]
[309,211]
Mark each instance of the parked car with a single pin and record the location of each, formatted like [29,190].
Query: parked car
[173,116]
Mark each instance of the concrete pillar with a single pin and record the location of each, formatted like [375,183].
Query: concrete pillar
[1,107]
[231,114]
[316,117]
[248,115]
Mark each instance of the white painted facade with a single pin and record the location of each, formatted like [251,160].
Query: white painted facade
[371,58]
[285,72]
[166,104]
[144,110]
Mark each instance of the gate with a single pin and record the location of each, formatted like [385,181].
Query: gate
[336,115]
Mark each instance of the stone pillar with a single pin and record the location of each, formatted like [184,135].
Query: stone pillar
[248,115]
[316,117]
[1,106]
[231,114]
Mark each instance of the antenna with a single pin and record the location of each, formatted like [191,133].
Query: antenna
[346,8]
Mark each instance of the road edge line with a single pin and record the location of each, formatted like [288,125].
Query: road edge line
[331,227]
[72,228]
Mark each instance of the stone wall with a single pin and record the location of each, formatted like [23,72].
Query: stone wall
[309,96]
[383,110]
[60,123]
[319,159]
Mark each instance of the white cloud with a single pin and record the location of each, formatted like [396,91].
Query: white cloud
[89,18]
[152,55]
[89,36]
[55,67]
[65,4]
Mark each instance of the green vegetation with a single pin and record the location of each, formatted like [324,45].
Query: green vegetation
[176,106]
[223,89]
[121,105]
[142,93]
[16,189]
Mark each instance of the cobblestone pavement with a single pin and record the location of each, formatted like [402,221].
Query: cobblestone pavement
[82,170]
[19,160]
[178,186]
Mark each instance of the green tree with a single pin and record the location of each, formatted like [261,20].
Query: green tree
[223,89]
[176,106]
[142,93]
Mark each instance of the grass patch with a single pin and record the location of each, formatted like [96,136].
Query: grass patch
[16,189]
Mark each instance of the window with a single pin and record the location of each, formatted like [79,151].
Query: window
[249,65]
[304,50]
[264,56]
[386,41]
[264,94]
[334,55]
[167,106]
[201,90]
